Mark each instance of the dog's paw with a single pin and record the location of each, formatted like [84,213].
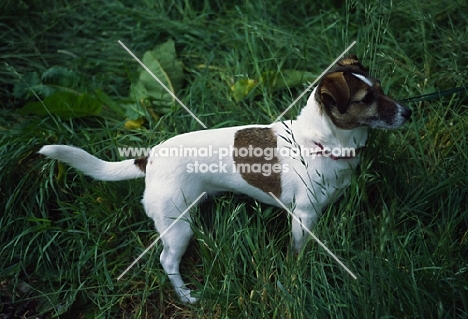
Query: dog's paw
[185,297]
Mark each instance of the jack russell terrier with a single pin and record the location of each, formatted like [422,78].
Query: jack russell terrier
[266,162]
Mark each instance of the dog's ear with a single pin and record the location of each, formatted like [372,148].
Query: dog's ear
[352,62]
[334,91]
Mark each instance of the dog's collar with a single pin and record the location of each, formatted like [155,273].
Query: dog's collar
[329,154]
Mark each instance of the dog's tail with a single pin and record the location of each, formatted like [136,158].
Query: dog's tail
[93,166]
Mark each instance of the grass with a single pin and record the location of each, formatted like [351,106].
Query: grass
[401,226]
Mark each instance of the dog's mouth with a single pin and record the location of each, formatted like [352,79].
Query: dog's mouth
[402,115]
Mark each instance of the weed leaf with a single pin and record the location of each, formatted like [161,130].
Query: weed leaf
[54,79]
[64,104]
[111,104]
[163,64]
[30,82]
[272,80]
[61,77]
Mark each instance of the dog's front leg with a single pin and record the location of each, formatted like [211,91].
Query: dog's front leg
[303,222]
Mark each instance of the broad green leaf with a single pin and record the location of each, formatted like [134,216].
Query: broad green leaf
[163,63]
[61,77]
[107,100]
[134,111]
[272,80]
[166,55]
[29,83]
[54,79]
[66,105]
[148,91]
[286,79]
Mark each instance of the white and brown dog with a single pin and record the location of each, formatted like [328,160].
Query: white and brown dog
[257,160]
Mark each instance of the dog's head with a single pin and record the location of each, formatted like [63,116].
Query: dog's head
[352,98]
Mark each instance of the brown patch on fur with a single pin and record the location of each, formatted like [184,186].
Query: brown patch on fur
[141,163]
[334,91]
[254,168]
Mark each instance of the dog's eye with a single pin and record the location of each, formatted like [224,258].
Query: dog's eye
[368,98]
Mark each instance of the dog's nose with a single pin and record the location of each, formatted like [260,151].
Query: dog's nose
[406,112]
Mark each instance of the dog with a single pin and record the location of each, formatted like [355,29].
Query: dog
[267,162]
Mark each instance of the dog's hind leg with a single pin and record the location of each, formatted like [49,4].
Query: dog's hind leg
[175,243]
[175,236]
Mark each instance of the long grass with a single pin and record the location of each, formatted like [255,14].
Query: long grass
[401,227]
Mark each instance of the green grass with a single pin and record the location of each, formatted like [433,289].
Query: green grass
[401,227]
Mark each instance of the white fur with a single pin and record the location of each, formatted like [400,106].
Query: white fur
[363,79]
